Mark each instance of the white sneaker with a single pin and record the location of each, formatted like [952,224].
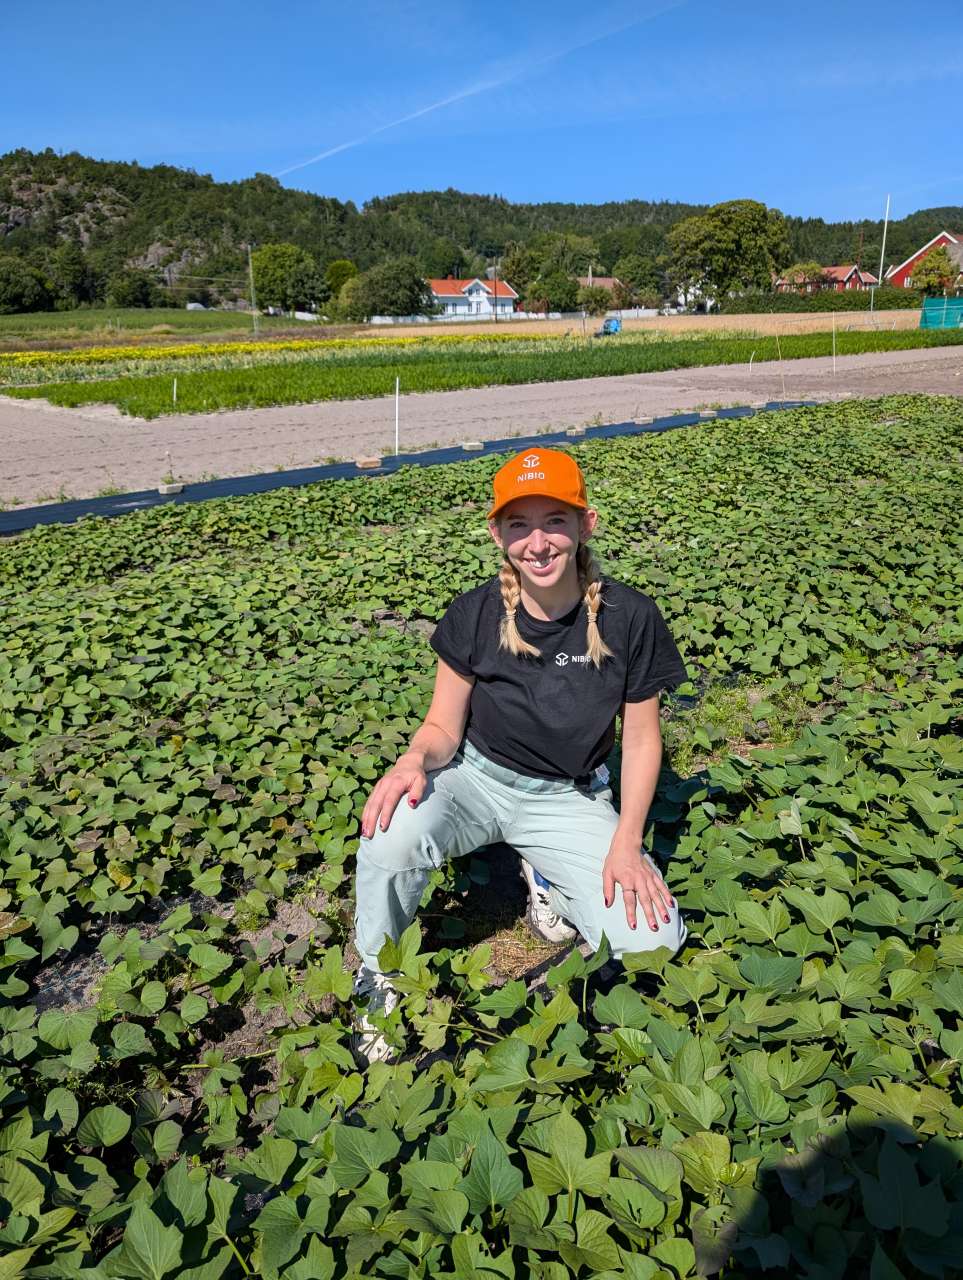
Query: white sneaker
[382,998]
[545,923]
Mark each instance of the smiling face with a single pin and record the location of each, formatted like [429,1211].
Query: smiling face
[540,537]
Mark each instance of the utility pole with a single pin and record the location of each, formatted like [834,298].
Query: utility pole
[250,278]
[882,252]
[496,293]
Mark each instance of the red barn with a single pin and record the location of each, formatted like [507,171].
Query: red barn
[837,279]
[901,277]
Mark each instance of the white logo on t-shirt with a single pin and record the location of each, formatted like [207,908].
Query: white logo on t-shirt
[563,659]
[530,460]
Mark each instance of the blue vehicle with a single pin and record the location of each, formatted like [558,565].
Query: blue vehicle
[610,326]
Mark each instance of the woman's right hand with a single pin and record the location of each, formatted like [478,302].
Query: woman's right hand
[407,775]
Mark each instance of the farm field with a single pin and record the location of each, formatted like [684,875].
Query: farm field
[119,324]
[752,322]
[64,329]
[352,370]
[194,702]
[54,453]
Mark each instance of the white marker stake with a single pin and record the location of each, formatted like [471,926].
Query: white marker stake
[397,407]
[834,344]
[175,391]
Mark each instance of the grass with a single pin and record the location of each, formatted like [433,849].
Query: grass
[426,368]
[118,322]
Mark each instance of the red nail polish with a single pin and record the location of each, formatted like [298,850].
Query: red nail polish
[666,919]
[412,803]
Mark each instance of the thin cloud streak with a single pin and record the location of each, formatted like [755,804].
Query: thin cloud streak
[392,124]
[473,91]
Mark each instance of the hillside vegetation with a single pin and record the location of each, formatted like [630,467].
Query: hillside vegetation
[195,702]
[82,223]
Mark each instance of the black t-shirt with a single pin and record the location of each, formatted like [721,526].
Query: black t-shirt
[554,716]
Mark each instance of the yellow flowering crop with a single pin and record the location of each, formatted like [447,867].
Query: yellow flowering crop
[192,350]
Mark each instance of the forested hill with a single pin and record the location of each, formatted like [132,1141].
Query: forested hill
[174,220]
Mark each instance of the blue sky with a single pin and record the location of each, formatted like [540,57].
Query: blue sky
[816,109]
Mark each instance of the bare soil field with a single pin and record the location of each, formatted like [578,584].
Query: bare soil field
[50,454]
[811,322]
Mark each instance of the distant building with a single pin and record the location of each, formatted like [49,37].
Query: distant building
[901,277]
[473,297]
[598,282]
[837,279]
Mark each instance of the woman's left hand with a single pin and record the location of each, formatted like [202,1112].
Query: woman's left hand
[627,867]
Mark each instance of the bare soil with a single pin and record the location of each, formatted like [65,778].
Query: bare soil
[808,322]
[50,454]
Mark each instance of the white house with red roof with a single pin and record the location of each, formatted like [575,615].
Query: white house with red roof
[475,298]
[901,277]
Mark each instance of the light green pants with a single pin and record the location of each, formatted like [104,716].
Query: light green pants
[564,832]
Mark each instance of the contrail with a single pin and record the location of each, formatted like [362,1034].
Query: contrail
[392,124]
[472,92]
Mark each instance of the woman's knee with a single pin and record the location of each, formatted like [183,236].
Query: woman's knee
[622,937]
[415,838]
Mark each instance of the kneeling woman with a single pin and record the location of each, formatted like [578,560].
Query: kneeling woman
[534,666]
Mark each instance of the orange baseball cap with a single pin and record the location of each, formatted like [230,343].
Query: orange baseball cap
[539,473]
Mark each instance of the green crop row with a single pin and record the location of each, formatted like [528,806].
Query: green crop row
[424,368]
[194,701]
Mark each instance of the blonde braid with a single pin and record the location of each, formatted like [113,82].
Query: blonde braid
[509,636]
[589,581]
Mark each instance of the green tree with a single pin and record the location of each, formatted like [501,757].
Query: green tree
[349,304]
[395,288]
[338,273]
[443,258]
[131,287]
[519,267]
[801,274]
[22,287]
[935,273]
[553,292]
[285,277]
[733,246]
[561,251]
[69,275]
[640,273]
[595,299]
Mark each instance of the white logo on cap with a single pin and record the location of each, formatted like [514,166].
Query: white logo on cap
[530,461]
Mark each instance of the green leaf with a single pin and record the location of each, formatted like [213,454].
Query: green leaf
[493,1181]
[621,1007]
[186,1189]
[129,1040]
[765,1105]
[506,1067]
[167,1138]
[594,1247]
[705,1159]
[63,1104]
[359,1152]
[659,1169]
[222,1195]
[14,1264]
[567,1168]
[822,911]
[882,1269]
[103,1127]
[328,978]
[149,1249]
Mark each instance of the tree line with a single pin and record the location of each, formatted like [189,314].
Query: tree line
[81,232]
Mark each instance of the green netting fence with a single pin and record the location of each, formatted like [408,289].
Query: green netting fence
[942,313]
